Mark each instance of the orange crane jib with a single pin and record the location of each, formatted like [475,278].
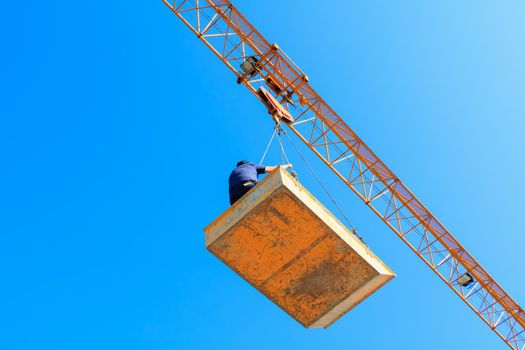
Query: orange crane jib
[260,65]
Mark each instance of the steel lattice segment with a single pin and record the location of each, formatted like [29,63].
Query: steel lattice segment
[234,40]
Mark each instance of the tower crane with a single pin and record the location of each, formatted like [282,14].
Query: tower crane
[280,84]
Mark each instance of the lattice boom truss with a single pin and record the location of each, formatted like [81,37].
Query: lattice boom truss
[234,40]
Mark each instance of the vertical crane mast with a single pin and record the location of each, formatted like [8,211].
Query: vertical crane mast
[257,63]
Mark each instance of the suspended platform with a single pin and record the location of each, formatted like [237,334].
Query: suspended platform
[286,244]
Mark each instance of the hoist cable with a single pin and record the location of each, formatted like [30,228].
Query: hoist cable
[352,227]
[268,147]
[284,156]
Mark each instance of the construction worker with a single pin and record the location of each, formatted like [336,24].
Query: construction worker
[244,177]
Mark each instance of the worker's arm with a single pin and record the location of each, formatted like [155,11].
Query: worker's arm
[269,169]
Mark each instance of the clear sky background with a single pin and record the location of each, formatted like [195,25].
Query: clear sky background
[119,129]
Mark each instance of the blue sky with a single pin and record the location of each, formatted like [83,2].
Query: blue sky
[119,129]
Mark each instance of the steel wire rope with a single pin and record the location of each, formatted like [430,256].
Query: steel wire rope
[284,156]
[268,147]
[318,179]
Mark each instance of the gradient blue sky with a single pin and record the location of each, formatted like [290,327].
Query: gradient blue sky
[119,129]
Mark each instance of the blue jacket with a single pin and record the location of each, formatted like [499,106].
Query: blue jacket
[244,173]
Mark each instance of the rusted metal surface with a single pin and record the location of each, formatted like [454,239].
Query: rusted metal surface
[281,240]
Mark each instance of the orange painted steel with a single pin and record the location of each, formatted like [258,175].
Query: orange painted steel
[234,40]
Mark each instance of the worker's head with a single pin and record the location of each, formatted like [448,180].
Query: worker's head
[241,162]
